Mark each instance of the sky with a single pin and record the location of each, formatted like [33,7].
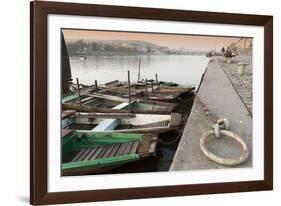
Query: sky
[174,41]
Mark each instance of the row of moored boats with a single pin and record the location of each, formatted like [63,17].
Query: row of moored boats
[110,125]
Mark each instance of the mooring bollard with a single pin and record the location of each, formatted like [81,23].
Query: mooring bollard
[241,68]
[228,60]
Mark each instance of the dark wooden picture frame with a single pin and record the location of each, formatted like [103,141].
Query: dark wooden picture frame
[38,102]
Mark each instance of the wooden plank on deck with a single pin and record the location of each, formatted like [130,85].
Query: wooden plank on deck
[90,154]
[96,153]
[134,147]
[115,149]
[128,148]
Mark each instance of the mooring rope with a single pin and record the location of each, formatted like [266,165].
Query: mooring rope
[173,140]
[221,126]
[212,117]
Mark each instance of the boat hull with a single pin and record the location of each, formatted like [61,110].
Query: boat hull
[96,152]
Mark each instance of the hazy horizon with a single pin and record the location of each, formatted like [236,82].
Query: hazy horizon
[173,41]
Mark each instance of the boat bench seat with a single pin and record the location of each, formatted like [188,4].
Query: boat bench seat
[84,100]
[106,151]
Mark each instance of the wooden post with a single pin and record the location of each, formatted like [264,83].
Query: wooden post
[139,70]
[129,90]
[146,93]
[96,85]
[156,78]
[78,88]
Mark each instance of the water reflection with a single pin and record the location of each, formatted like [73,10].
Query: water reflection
[183,69]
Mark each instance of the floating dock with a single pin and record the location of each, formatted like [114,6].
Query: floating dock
[226,94]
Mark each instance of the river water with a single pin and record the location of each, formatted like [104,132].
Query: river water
[182,69]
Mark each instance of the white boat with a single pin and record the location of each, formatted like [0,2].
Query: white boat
[114,122]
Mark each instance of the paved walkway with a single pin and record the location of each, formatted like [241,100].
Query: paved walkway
[241,83]
[218,94]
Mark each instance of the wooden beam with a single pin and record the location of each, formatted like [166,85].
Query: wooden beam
[107,124]
[67,113]
[129,90]
[96,85]
[105,115]
[78,88]
[156,79]
[139,70]
[108,97]
[146,92]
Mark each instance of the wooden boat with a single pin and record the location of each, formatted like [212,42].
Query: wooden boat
[112,104]
[119,87]
[151,86]
[171,84]
[164,91]
[159,92]
[116,83]
[114,122]
[97,152]
[149,96]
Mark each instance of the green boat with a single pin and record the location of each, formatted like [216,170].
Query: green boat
[98,152]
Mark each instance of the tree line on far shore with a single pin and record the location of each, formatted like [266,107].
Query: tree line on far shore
[119,47]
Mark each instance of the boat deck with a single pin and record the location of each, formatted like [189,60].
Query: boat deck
[103,151]
[144,147]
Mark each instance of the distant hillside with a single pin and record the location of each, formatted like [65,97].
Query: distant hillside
[118,47]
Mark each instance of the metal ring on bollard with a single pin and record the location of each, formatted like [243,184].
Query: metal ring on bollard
[224,161]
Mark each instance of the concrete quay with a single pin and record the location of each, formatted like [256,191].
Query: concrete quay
[226,94]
